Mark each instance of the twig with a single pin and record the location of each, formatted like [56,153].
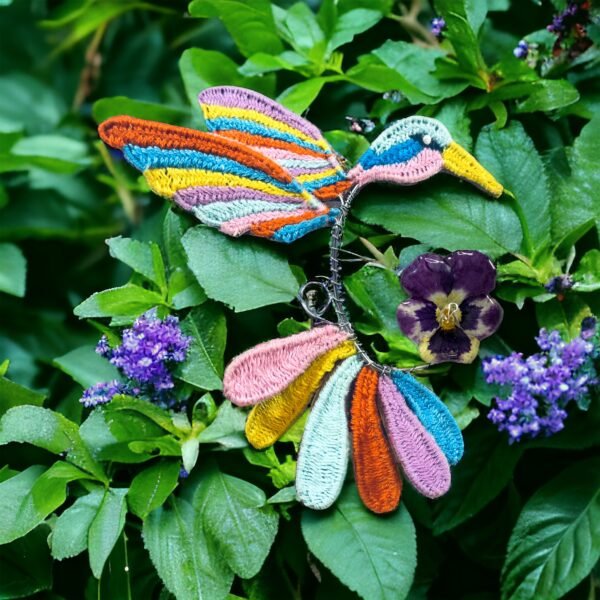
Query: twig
[91,69]
[409,20]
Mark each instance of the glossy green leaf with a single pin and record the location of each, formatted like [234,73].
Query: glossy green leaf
[509,154]
[30,496]
[576,205]
[300,96]
[125,301]
[70,532]
[13,270]
[444,214]
[243,274]
[50,430]
[235,515]
[204,68]
[120,105]
[151,487]
[142,257]
[549,95]
[207,328]
[186,559]
[86,366]
[416,65]
[374,556]
[106,528]
[227,429]
[351,24]
[12,394]
[556,541]
[251,25]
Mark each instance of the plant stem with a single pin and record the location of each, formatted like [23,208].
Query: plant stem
[409,20]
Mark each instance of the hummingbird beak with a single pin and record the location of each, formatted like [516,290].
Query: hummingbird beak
[460,163]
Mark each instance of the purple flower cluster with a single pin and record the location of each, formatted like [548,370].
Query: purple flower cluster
[145,357]
[542,385]
[521,50]
[437,26]
[570,26]
[559,284]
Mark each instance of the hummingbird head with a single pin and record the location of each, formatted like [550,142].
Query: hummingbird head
[413,150]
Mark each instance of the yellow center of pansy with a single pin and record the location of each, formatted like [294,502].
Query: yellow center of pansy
[448,316]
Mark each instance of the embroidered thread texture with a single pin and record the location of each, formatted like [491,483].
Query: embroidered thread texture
[324,450]
[375,472]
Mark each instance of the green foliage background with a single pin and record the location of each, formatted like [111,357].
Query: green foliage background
[91,504]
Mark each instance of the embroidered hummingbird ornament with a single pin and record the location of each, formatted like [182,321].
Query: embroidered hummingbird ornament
[262,170]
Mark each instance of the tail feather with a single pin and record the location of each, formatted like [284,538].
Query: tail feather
[422,461]
[267,369]
[324,451]
[270,419]
[376,474]
[433,414]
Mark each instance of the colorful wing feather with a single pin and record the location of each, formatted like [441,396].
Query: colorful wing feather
[223,182]
[288,139]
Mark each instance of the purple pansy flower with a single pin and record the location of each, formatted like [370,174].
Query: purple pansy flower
[449,311]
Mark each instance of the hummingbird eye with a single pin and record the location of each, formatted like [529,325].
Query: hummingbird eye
[427,139]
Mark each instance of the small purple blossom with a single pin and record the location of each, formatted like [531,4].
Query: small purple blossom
[541,385]
[101,393]
[521,50]
[450,309]
[437,26]
[145,357]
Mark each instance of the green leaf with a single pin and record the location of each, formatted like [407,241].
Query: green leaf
[143,257]
[125,301]
[55,153]
[106,528]
[587,275]
[261,63]
[556,541]
[351,24]
[300,96]
[250,24]
[47,429]
[12,394]
[13,270]
[120,105]
[454,115]
[576,206]
[565,315]
[86,366]
[207,327]
[235,515]
[151,487]
[70,532]
[350,145]
[417,65]
[29,497]
[375,556]
[378,293]
[509,154]
[110,433]
[26,565]
[184,556]
[201,69]
[227,429]
[485,469]
[443,213]
[243,274]
[300,27]
[549,95]
[160,416]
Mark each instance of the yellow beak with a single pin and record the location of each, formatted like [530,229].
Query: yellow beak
[460,163]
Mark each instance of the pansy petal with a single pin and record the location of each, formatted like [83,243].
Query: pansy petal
[474,274]
[449,346]
[481,316]
[428,277]
[416,318]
